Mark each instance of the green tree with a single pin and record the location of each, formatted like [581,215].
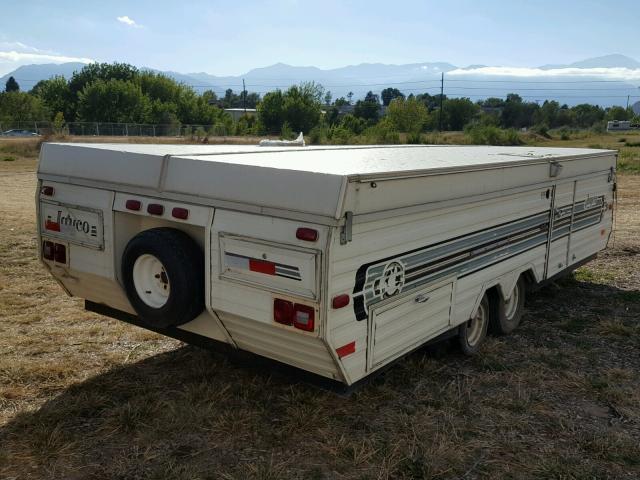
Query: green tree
[407,115]
[271,111]
[353,124]
[388,94]
[369,108]
[11,85]
[458,112]
[302,106]
[517,113]
[113,100]
[586,115]
[618,113]
[58,123]
[55,94]
[22,107]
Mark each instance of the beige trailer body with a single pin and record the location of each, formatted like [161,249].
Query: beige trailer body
[410,237]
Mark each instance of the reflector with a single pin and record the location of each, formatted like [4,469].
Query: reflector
[262,266]
[347,349]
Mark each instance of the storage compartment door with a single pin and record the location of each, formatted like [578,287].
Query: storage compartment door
[400,325]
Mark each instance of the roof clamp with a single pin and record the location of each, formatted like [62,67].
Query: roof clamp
[345,231]
[554,168]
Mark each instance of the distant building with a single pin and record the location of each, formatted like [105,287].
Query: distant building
[620,126]
[236,113]
[636,108]
[349,109]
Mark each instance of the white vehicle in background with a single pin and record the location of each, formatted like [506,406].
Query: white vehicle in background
[336,260]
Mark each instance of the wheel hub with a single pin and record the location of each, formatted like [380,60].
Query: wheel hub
[151,281]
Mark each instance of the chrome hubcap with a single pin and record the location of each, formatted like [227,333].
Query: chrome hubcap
[151,281]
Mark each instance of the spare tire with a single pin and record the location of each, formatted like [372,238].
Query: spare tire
[163,273]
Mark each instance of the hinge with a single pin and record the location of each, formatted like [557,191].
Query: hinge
[345,231]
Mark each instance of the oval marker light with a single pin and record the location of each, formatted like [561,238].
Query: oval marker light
[307,234]
[340,301]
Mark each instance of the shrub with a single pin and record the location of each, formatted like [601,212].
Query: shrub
[542,129]
[286,132]
[383,133]
[490,135]
[414,138]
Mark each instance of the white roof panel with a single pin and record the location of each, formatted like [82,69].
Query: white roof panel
[305,179]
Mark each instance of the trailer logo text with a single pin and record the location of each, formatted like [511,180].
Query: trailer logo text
[66,223]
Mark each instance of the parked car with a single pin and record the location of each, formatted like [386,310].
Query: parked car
[336,260]
[19,133]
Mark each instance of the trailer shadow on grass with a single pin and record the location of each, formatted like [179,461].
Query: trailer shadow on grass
[561,397]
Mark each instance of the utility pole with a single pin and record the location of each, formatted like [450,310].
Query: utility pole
[441,98]
[628,96]
[244,97]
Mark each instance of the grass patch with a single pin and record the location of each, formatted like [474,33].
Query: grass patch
[590,275]
[8,158]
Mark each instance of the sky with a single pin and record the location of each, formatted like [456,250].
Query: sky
[230,38]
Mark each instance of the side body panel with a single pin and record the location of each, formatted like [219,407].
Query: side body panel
[487,241]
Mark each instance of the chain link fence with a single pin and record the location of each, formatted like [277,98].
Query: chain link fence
[115,129]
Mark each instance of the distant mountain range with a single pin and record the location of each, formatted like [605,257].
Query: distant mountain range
[606,80]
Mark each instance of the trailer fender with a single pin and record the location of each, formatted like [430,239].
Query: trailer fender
[505,284]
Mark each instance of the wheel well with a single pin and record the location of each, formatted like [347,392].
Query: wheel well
[495,293]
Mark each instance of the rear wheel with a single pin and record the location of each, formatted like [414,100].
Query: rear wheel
[508,313]
[472,333]
[163,273]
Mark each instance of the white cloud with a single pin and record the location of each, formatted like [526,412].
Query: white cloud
[15,54]
[627,74]
[128,21]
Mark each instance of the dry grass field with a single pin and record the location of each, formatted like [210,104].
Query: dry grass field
[82,396]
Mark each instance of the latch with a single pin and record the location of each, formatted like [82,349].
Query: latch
[345,232]
[554,169]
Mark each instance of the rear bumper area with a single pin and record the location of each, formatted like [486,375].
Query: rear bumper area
[247,358]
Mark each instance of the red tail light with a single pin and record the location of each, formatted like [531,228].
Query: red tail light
[181,213]
[133,205]
[340,301]
[347,349]
[155,209]
[48,191]
[283,311]
[47,250]
[307,234]
[60,253]
[303,317]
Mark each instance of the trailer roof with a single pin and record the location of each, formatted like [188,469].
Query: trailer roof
[310,180]
[353,161]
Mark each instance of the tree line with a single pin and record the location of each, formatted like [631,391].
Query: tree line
[121,93]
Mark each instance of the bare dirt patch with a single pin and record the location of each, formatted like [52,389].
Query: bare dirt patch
[82,396]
